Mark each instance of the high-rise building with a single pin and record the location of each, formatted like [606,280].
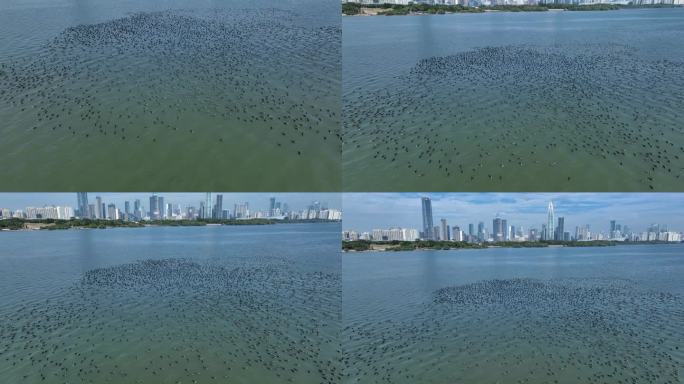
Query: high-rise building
[457,234]
[218,207]
[506,230]
[112,212]
[272,206]
[155,208]
[444,234]
[137,209]
[160,207]
[98,208]
[241,211]
[560,230]
[207,206]
[549,222]
[435,233]
[127,210]
[427,218]
[497,229]
[481,232]
[82,199]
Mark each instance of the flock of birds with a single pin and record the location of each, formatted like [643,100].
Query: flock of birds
[550,116]
[273,319]
[525,331]
[180,321]
[248,80]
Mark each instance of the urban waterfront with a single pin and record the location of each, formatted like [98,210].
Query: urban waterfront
[171,304]
[553,101]
[551,315]
[196,95]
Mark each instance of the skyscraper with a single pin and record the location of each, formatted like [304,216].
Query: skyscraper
[208,206]
[155,211]
[549,222]
[137,209]
[497,229]
[241,210]
[82,199]
[444,234]
[506,230]
[560,230]
[160,207]
[427,218]
[218,208]
[481,232]
[271,209]
[112,213]
[127,210]
[99,209]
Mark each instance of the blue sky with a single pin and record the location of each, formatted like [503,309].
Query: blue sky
[365,211]
[258,201]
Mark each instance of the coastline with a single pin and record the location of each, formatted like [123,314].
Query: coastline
[25,225]
[408,246]
[364,10]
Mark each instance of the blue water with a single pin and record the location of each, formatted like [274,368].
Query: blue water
[501,315]
[169,304]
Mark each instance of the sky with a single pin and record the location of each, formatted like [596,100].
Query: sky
[366,211]
[257,201]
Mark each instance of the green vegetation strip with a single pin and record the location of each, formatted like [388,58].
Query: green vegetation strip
[395,10]
[52,224]
[365,245]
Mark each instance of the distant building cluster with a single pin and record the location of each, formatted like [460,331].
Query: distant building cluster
[478,3]
[47,212]
[553,229]
[212,207]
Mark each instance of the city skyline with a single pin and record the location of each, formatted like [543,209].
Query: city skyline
[257,201]
[365,212]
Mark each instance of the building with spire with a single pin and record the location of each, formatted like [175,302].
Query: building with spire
[549,233]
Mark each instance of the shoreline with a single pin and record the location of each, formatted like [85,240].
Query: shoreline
[364,246]
[365,10]
[25,225]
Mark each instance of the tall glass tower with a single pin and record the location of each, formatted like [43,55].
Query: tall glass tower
[550,222]
[82,199]
[208,207]
[427,218]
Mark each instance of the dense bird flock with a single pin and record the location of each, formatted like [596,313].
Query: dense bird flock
[523,118]
[525,331]
[246,81]
[179,321]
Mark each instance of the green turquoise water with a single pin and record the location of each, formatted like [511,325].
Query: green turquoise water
[169,305]
[529,101]
[120,95]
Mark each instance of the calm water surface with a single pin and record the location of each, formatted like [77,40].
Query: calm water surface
[502,101]
[594,315]
[180,87]
[213,304]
